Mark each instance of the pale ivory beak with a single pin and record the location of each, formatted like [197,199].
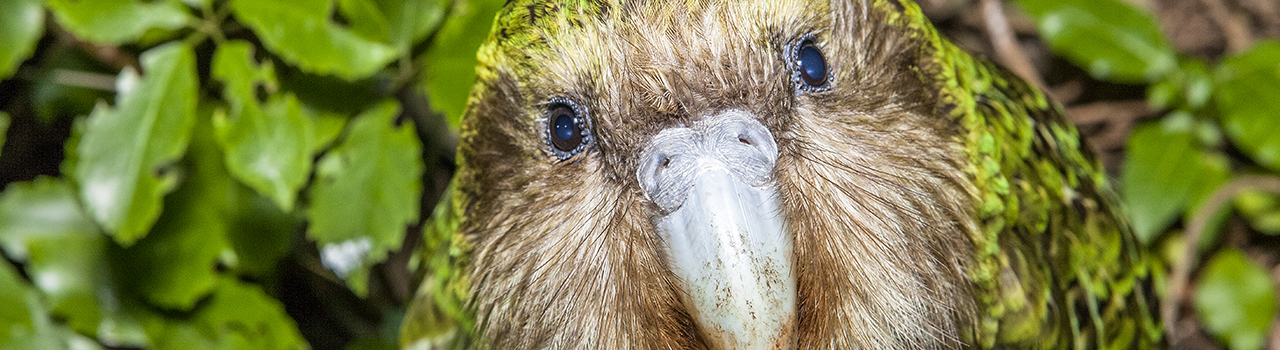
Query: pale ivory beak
[724,234]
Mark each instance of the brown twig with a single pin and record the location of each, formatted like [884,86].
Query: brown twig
[108,55]
[1195,228]
[1117,117]
[1006,44]
[1238,36]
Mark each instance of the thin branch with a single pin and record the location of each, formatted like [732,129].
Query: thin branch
[1006,44]
[1116,117]
[109,55]
[91,80]
[1195,228]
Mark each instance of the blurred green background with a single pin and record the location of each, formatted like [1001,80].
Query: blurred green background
[255,174]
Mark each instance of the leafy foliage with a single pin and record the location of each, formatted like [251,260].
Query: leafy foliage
[366,191]
[1111,39]
[246,137]
[448,75]
[1250,119]
[21,24]
[1156,150]
[118,21]
[1236,299]
[1175,163]
[121,178]
[268,147]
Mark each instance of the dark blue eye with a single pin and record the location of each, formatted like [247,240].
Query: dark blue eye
[810,66]
[567,131]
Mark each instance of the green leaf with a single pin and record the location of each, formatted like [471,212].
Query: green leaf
[237,316]
[1109,38]
[1236,300]
[409,21]
[399,23]
[20,308]
[1189,87]
[118,21]
[1244,84]
[21,25]
[268,148]
[1215,171]
[1261,209]
[451,58]
[175,265]
[42,224]
[124,150]
[208,219]
[1164,172]
[329,126]
[365,19]
[366,191]
[25,322]
[39,208]
[301,32]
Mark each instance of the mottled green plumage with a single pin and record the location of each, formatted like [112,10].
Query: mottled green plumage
[1053,262]
[1049,216]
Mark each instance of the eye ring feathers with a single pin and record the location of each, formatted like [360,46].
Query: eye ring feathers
[809,69]
[568,128]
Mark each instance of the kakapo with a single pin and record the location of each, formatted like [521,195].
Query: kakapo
[768,174]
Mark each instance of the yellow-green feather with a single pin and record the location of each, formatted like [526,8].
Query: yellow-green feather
[1056,265]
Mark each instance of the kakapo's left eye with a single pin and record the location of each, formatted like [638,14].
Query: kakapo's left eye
[809,67]
[568,128]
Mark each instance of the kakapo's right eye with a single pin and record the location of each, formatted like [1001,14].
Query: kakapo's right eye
[568,128]
[810,66]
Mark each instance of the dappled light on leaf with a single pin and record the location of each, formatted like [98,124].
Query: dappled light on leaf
[122,179]
[366,193]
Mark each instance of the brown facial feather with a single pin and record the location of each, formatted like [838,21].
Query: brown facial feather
[565,254]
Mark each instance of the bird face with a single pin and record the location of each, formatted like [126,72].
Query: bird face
[699,174]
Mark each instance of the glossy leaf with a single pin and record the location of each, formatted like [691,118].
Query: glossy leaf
[410,21]
[1246,85]
[1236,300]
[366,192]
[1188,88]
[1165,171]
[451,59]
[1109,38]
[21,24]
[301,32]
[401,23]
[237,316]
[118,21]
[328,126]
[364,19]
[25,322]
[42,224]
[267,147]
[38,208]
[175,265]
[122,179]
[20,307]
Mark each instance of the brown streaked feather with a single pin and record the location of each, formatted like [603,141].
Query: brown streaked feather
[875,178]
